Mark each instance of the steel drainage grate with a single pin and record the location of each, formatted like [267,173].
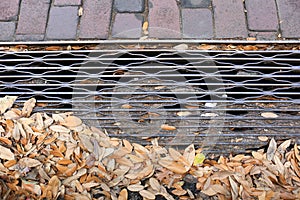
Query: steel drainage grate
[222,100]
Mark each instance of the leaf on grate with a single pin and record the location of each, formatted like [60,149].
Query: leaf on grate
[263,138]
[53,48]
[269,115]
[167,127]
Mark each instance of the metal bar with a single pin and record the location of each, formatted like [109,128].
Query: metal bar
[150,41]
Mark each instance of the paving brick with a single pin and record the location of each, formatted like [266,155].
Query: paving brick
[230,19]
[197,23]
[127,25]
[33,17]
[264,35]
[195,3]
[95,22]
[62,23]
[289,15]
[30,37]
[9,9]
[7,31]
[129,5]
[262,15]
[67,2]
[164,19]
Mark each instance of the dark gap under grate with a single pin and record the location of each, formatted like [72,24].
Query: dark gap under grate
[215,99]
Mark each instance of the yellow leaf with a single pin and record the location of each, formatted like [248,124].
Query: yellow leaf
[145,26]
[199,158]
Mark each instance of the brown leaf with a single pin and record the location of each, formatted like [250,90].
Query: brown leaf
[269,115]
[124,161]
[189,154]
[234,188]
[6,153]
[283,146]
[263,138]
[123,195]
[29,162]
[10,163]
[146,194]
[183,113]
[72,121]
[64,161]
[154,184]
[179,192]
[271,149]
[6,103]
[126,106]
[53,48]
[5,140]
[206,47]
[59,129]
[135,187]
[257,155]
[278,164]
[86,142]
[145,26]
[28,107]
[209,191]
[173,166]
[166,127]
[250,48]
[175,155]
[54,184]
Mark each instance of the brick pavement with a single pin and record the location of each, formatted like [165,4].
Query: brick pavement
[32,20]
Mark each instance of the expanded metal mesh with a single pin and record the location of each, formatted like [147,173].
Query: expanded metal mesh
[224,100]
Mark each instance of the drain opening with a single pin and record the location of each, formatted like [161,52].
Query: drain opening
[198,93]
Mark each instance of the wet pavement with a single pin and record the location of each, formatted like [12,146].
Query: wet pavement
[45,20]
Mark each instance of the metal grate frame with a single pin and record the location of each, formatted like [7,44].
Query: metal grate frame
[216,99]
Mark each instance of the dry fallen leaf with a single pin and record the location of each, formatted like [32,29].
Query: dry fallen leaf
[166,127]
[6,103]
[126,106]
[60,157]
[183,113]
[145,26]
[6,153]
[123,195]
[206,47]
[53,48]
[146,194]
[29,162]
[135,187]
[28,107]
[263,138]
[173,166]
[269,115]
[59,129]
[72,121]
[271,149]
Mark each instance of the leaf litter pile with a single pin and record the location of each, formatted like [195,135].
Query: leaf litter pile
[58,157]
